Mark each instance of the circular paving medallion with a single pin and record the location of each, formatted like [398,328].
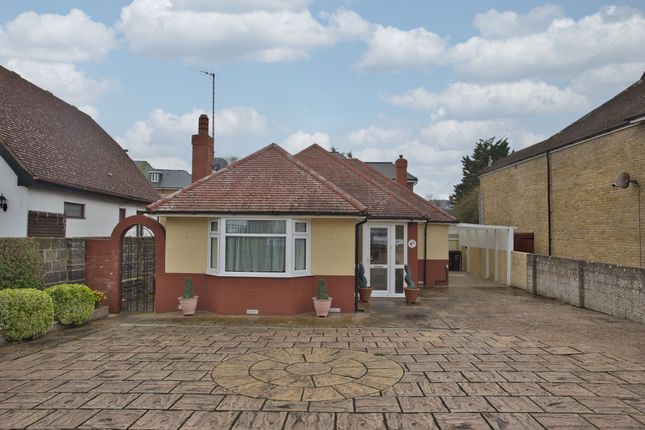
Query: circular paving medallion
[307,374]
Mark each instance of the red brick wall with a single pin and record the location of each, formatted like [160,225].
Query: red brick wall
[271,296]
[436,272]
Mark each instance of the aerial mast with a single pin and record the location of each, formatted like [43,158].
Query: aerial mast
[212,76]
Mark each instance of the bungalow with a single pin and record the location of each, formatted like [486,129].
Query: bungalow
[260,233]
[61,174]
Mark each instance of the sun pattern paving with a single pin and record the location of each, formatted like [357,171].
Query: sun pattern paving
[307,374]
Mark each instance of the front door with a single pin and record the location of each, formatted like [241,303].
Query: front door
[385,256]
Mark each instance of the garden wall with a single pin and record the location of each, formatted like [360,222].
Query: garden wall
[63,260]
[610,289]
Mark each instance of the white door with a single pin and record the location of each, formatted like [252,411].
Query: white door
[384,258]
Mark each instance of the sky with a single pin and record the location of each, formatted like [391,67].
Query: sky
[426,79]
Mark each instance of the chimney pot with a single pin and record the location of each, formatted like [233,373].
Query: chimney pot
[203,124]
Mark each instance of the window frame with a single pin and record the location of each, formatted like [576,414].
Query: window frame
[290,236]
[81,205]
[155,175]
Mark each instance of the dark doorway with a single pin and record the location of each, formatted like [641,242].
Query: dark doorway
[523,242]
[138,273]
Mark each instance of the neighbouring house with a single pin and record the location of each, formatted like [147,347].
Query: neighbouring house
[559,193]
[258,235]
[391,170]
[61,174]
[168,181]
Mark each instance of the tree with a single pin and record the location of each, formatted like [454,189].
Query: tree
[465,197]
[486,152]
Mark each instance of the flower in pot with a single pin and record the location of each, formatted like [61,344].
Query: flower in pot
[411,291]
[364,292]
[322,301]
[188,302]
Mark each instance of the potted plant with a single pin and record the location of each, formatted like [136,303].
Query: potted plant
[188,302]
[364,292]
[322,301]
[411,291]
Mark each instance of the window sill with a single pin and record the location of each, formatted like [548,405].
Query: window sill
[258,274]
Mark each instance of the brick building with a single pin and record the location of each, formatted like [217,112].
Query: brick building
[560,190]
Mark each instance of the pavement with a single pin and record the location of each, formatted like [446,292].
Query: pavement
[474,355]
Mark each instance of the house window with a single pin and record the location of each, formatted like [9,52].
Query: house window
[267,247]
[121,214]
[155,177]
[74,210]
[213,245]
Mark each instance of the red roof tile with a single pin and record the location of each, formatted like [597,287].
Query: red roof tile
[432,212]
[53,142]
[267,181]
[383,198]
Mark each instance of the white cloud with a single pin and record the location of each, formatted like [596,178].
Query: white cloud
[45,48]
[498,25]
[392,49]
[67,38]
[435,150]
[221,34]
[299,140]
[613,35]
[165,137]
[376,136]
[506,99]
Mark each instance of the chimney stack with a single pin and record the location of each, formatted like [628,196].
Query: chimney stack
[203,147]
[401,165]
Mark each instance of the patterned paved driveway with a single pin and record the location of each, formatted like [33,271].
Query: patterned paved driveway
[198,377]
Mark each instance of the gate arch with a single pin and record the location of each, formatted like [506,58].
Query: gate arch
[103,258]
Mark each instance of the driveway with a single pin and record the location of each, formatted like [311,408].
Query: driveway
[474,355]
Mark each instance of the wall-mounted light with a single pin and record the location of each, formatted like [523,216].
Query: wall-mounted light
[3,203]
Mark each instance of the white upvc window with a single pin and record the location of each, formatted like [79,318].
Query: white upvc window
[271,247]
[213,246]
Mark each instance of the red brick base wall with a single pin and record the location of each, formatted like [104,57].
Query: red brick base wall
[270,296]
[436,272]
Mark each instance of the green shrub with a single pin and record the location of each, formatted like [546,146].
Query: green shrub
[21,264]
[322,294]
[25,313]
[188,289]
[73,303]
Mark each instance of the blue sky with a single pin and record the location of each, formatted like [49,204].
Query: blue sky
[379,78]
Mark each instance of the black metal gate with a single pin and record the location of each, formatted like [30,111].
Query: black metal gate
[138,274]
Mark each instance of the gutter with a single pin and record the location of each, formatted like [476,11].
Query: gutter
[356,262]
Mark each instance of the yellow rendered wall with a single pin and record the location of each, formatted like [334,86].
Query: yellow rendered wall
[186,245]
[332,246]
[517,196]
[437,241]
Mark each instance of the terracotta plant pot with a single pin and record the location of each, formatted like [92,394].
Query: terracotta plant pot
[365,294]
[188,306]
[322,306]
[411,295]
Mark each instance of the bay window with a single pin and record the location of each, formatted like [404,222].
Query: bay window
[258,247]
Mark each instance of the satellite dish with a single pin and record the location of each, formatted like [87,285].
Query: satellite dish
[622,180]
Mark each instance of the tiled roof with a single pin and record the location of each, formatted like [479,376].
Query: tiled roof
[172,179]
[612,114]
[382,197]
[268,181]
[430,211]
[55,143]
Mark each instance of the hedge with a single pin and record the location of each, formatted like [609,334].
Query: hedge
[21,264]
[73,303]
[25,313]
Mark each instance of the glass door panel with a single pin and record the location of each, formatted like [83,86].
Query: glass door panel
[378,258]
